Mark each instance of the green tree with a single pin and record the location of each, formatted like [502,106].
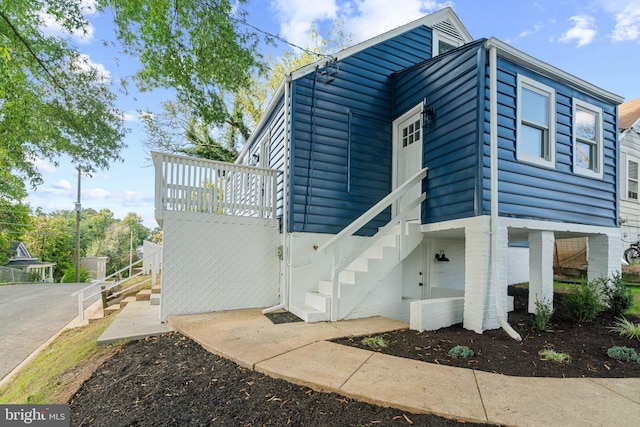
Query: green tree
[51,239]
[199,48]
[14,222]
[52,101]
[254,100]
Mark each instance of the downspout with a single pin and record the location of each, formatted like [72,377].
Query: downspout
[286,256]
[493,122]
[286,260]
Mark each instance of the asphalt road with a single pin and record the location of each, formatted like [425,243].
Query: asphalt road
[31,314]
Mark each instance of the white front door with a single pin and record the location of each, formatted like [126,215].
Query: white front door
[408,155]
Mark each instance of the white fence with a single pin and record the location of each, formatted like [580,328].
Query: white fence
[187,184]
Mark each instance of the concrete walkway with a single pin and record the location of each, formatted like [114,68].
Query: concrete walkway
[300,353]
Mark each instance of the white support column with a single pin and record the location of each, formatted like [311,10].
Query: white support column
[480,301]
[541,245]
[603,255]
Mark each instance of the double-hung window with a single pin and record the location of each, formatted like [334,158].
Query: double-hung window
[587,139]
[632,179]
[536,116]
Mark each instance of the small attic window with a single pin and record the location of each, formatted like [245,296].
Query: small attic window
[446,37]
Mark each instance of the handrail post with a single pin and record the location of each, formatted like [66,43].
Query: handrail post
[81,306]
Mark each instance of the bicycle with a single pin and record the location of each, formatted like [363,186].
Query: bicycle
[632,254]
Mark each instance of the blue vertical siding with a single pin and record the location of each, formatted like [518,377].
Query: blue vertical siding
[342,139]
[450,146]
[555,194]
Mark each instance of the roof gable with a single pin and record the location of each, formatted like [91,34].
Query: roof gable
[629,113]
[444,20]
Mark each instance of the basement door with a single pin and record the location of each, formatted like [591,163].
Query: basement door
[407,132]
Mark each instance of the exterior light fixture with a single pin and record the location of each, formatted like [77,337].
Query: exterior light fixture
[440,256]
[428,115]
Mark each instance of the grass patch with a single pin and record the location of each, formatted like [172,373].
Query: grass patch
[57,371]
[549,354]
[375,342]
[635,305]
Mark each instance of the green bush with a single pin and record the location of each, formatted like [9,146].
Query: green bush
[624,354]
[461,351]
[626,328]
[70,275]
[544,311]
[584,301]
[617,295]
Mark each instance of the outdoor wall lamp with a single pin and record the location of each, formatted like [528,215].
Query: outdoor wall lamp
[256,158]
[428,115]
[440,256]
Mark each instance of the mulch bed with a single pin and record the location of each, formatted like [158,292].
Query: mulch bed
[586,343]
[173,381]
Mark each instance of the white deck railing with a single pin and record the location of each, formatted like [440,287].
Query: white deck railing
[190,184]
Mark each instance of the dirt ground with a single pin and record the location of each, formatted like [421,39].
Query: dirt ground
[172,381]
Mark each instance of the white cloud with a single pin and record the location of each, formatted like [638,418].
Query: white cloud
[62,184]
[132,116]
[52,27]
[44,166]
[84,63]
[97,193]
[298,16]
[368,18]
[583,30]
[536,29]
[627,17]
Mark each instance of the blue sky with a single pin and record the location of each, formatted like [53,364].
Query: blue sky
[597,40]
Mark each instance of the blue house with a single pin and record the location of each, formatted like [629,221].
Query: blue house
[392,179]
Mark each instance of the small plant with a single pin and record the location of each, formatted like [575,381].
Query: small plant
[617,295]
[624,354]
[584,302]
[375,342]
[550,354]
[626,328]
[544,311]
[461,351]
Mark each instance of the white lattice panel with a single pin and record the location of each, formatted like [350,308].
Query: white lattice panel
[216,262]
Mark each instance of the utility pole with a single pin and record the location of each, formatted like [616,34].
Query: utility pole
[78,209]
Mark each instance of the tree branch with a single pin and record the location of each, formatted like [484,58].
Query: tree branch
[38,60]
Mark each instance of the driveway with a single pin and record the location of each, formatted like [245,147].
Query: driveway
[31,314]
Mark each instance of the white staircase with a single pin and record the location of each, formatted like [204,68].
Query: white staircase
[361,275]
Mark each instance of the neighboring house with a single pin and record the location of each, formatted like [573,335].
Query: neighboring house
[22,260]
[391,179]
[629,126]
[96,266]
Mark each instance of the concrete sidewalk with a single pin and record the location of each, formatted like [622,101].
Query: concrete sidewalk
[300,353]
[137,320]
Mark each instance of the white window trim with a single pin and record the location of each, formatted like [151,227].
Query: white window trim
[437,36]
[550,93]
[599,172]
[628,159]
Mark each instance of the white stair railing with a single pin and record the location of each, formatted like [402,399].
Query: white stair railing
[97,287]
[340,262]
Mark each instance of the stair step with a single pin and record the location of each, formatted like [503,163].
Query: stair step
[155,299]
[155,290]
[319,301]
[143,295]
[111,309]
[308,313]
[126,301]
